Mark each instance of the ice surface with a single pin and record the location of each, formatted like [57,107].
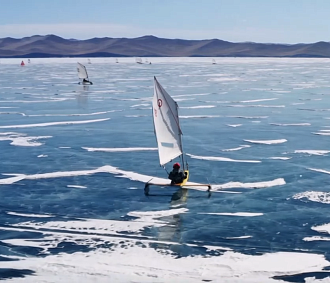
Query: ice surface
[73,217]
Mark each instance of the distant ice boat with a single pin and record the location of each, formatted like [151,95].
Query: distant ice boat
[22,63]
[213,62]
[29,61]
[138,60]
[82,74]
[117,61]
[89,61]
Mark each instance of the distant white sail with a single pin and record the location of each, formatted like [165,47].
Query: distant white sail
[166,123]
[82,72]
[89,61]
[213,61]
[138,60]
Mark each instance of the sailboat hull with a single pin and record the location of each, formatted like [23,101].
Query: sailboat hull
[182,185]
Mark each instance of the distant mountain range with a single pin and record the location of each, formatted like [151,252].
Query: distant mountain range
[151,46]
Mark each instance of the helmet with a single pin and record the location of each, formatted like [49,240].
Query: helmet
[176,165]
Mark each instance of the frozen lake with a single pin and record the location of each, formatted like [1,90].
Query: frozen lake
[74,159]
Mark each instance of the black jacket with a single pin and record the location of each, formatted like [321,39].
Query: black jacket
[176,176]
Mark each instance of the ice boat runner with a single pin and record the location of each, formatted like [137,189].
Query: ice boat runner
[82,74]
[168,133]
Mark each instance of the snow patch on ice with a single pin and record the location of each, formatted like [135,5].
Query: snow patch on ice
[76,186]
[118,149]
[249,117]
[236,148]
[321,197]
[199,116]
[256,106]
[267,141]
[145,264]
[257,100]
[53,124]
[214,158]
[293,124]
[18,139]
[137,177]
[198,107]
[312,151]
[279,158]
[30,215]
[244,214]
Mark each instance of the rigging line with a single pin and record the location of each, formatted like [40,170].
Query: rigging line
[165,170]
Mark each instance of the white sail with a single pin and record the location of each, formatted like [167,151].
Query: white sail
[82,72]
[213,62]
[166,123]
[138,60]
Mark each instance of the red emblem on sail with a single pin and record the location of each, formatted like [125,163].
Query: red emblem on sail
[160,103]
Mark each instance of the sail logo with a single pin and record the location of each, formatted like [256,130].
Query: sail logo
[155,110]
[160,103]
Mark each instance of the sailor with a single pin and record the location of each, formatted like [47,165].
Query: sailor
[176,176]
[85,81]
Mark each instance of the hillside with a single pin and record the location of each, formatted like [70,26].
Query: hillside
[151,46]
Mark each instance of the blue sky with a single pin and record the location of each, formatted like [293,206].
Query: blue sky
[277,21]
